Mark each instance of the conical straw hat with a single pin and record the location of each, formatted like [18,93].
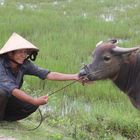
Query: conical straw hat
[17,42]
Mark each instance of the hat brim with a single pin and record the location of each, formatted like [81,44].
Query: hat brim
[17,42]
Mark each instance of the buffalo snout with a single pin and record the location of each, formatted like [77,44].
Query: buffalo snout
[86,73]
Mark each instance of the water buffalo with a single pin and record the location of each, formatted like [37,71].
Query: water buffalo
[121,65]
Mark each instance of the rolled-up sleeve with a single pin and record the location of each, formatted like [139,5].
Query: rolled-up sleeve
[32,69]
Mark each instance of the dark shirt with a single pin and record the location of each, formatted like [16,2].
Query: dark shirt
[10,80]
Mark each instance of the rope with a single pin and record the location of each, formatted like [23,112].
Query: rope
[62,88]
[40,122]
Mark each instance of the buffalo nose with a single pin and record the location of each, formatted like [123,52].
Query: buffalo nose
[82,73]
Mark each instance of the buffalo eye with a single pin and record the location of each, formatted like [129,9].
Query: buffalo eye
[106,58]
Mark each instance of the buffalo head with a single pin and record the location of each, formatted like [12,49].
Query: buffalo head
[107,60]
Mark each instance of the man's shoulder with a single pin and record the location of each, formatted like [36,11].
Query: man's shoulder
[1,60]
[3,64]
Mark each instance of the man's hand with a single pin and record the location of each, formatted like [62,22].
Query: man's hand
[41,100]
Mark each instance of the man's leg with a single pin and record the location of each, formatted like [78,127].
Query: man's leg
[17,110]
[3,103]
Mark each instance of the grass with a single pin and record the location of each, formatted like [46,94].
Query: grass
[66,31]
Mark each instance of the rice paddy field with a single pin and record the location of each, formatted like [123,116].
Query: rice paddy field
[66,32]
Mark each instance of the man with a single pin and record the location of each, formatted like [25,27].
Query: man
[15,104]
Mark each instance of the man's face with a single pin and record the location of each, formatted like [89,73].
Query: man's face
[19,55]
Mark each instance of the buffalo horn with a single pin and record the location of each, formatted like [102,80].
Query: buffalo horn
[124,50]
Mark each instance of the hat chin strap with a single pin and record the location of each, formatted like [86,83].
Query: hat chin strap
[32,56]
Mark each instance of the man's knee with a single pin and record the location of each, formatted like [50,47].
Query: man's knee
[3,97]
[3,93]
[30,108]
[3,103]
